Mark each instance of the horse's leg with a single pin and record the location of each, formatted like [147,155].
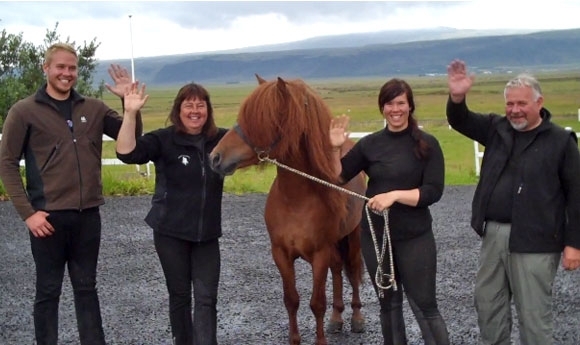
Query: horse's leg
[320,265]
[291,298]
[336,322]
[354,269]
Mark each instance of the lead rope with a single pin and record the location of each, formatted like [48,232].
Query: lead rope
[383,280]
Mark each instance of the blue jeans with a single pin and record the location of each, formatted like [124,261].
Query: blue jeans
[185,265]
[74,244]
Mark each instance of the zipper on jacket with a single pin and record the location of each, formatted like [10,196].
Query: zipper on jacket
[69,124]
[520,188]
[203,191]
[80,174]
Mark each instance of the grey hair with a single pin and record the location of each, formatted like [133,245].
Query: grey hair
[524,80]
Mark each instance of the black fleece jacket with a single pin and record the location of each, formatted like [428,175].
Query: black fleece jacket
[546,191]
[188,194]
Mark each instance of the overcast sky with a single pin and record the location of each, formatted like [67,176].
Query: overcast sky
[167,28]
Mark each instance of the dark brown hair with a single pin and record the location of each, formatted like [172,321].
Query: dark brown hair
[394,88]
[193,91]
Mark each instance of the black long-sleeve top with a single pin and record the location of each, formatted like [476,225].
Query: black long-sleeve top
[389,160]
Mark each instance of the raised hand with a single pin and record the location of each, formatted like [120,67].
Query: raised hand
[135,98]
[338,130]
[458,80]
[121,78]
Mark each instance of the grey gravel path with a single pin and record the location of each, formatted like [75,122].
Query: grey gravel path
[251,311]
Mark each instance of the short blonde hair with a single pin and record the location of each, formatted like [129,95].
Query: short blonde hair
[56,47]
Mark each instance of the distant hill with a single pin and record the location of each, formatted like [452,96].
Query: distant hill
[417,52]
[380,37]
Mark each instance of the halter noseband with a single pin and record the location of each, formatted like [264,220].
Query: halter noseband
[259,151]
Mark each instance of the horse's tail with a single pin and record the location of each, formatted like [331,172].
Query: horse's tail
[349,248]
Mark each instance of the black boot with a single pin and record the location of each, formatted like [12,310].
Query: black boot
[438,330]
[433,329]
[393,323]
[422,322]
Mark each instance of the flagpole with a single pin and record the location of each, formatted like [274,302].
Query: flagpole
[132,60]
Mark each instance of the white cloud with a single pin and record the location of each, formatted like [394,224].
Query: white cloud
[179,27]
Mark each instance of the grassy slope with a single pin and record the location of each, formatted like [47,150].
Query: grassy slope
[358,99]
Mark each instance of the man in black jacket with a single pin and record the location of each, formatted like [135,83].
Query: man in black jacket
[526,206]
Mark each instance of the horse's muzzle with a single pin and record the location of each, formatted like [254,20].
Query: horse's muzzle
[217,164]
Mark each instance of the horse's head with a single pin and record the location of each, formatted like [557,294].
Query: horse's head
[232,152]
[284,120]
[257,131]
[236,149]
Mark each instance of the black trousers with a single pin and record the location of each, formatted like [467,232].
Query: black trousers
[74,244]
[415,264]
[185,265]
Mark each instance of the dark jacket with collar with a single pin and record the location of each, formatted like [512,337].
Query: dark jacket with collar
[546,195]
[63,164]
[188,194]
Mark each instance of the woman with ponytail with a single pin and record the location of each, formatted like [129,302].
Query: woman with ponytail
[405,169]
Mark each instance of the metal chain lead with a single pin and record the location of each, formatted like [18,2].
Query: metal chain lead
[380,277]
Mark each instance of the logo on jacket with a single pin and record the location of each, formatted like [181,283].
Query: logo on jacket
[83,119]
[184,159]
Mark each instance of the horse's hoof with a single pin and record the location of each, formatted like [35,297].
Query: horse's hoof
[357,326]
[334,327]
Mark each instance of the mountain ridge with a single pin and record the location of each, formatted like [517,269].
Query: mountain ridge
[418,52]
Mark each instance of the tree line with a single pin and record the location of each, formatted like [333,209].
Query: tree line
[21,71]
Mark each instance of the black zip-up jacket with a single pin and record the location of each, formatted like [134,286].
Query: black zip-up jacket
[546,196]
[188,194]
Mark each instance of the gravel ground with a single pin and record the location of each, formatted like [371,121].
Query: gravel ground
[250,308]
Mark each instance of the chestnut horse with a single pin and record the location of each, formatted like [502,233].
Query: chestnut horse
[289,122]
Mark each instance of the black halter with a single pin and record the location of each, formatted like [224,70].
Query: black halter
[258,150]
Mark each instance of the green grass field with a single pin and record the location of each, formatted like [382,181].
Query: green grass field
[358,99]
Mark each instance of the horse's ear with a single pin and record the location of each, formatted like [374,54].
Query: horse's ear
[281,85]
[260,79]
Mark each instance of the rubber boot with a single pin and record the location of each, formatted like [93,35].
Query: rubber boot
[433,329]
[393,323]
[438,330]
[426,333]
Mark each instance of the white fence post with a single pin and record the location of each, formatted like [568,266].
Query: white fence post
[478,155]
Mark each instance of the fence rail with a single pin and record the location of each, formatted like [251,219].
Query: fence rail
[111,161]
[477,153]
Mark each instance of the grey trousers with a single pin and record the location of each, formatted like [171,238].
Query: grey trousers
[526,277]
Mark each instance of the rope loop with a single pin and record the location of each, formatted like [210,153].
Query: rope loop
[382,280]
